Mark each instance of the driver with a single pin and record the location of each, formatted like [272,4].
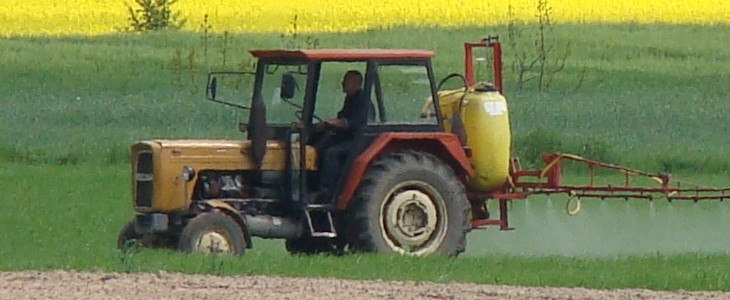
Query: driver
[349,122]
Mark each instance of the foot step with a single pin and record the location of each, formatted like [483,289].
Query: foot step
[319,220]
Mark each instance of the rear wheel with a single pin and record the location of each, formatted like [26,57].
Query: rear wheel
[310,246]
[212,232]
[412,203]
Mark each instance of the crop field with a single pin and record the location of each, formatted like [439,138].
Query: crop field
[35,17]
[645,85]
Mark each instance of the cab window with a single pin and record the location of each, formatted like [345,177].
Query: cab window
[401,91]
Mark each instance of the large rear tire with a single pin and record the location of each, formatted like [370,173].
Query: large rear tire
[311,246]
[212,232]
[411,203]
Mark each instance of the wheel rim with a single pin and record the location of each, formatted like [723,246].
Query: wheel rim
[213,242]
[413,218]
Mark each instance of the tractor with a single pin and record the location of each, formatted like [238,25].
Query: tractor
[402,190]
[417,179]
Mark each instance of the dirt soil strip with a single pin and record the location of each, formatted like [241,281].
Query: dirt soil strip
[77,285]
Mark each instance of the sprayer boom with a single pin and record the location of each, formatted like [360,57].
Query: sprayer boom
[546,181]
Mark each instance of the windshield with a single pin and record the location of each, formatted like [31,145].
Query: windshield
[282,91]
[282,110]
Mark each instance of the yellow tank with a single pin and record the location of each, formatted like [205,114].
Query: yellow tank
[449,102]
[486,121]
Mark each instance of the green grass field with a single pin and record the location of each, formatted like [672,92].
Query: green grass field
[67,217]
[654,97]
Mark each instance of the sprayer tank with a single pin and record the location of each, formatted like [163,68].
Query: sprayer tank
[486,122]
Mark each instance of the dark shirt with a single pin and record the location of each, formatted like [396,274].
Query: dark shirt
[355,114]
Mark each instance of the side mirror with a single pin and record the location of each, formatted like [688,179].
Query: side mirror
[211,89]
[288,86]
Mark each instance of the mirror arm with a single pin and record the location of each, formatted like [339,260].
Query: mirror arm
[229,104]
[292,103]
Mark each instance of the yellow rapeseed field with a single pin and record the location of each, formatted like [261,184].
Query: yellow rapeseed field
[92,17]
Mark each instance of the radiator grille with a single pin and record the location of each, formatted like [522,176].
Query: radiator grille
[143,180]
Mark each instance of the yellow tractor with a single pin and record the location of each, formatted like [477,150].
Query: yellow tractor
[414,181]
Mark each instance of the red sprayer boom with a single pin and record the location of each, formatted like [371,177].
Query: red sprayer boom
[546,181]
[553,184]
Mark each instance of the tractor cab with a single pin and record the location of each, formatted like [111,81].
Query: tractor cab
[292,91]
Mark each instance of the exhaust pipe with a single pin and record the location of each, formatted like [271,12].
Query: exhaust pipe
[271,227]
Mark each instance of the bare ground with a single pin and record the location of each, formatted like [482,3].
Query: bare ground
[76,285]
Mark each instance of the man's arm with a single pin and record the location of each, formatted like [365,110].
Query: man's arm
[352,118]
[336,123]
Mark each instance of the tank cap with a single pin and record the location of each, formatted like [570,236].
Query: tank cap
[485,87]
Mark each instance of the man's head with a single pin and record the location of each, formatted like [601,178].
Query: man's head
[352,82]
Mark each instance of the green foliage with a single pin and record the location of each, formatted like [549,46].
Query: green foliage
[127,255]
[12,154]
[531,147]
[709,163]
[638,106]
[153,15]
[292,39]
[594,148]
[216,264]
[536,54]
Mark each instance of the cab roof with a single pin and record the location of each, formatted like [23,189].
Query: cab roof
[343,54]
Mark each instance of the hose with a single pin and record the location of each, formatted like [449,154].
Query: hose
[576,209]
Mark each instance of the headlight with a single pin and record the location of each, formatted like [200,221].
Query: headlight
[187,173]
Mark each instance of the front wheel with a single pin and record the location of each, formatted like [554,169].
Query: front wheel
[129,238]
[411,203]
[212,232]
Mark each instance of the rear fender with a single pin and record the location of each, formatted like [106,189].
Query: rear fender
[445,146]
[232,212]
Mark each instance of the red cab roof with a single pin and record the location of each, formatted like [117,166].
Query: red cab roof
[344,54]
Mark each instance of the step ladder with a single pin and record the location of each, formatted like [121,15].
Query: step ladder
[319,219]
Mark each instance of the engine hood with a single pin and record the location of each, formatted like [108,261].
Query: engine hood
[213,144]
[227,154]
